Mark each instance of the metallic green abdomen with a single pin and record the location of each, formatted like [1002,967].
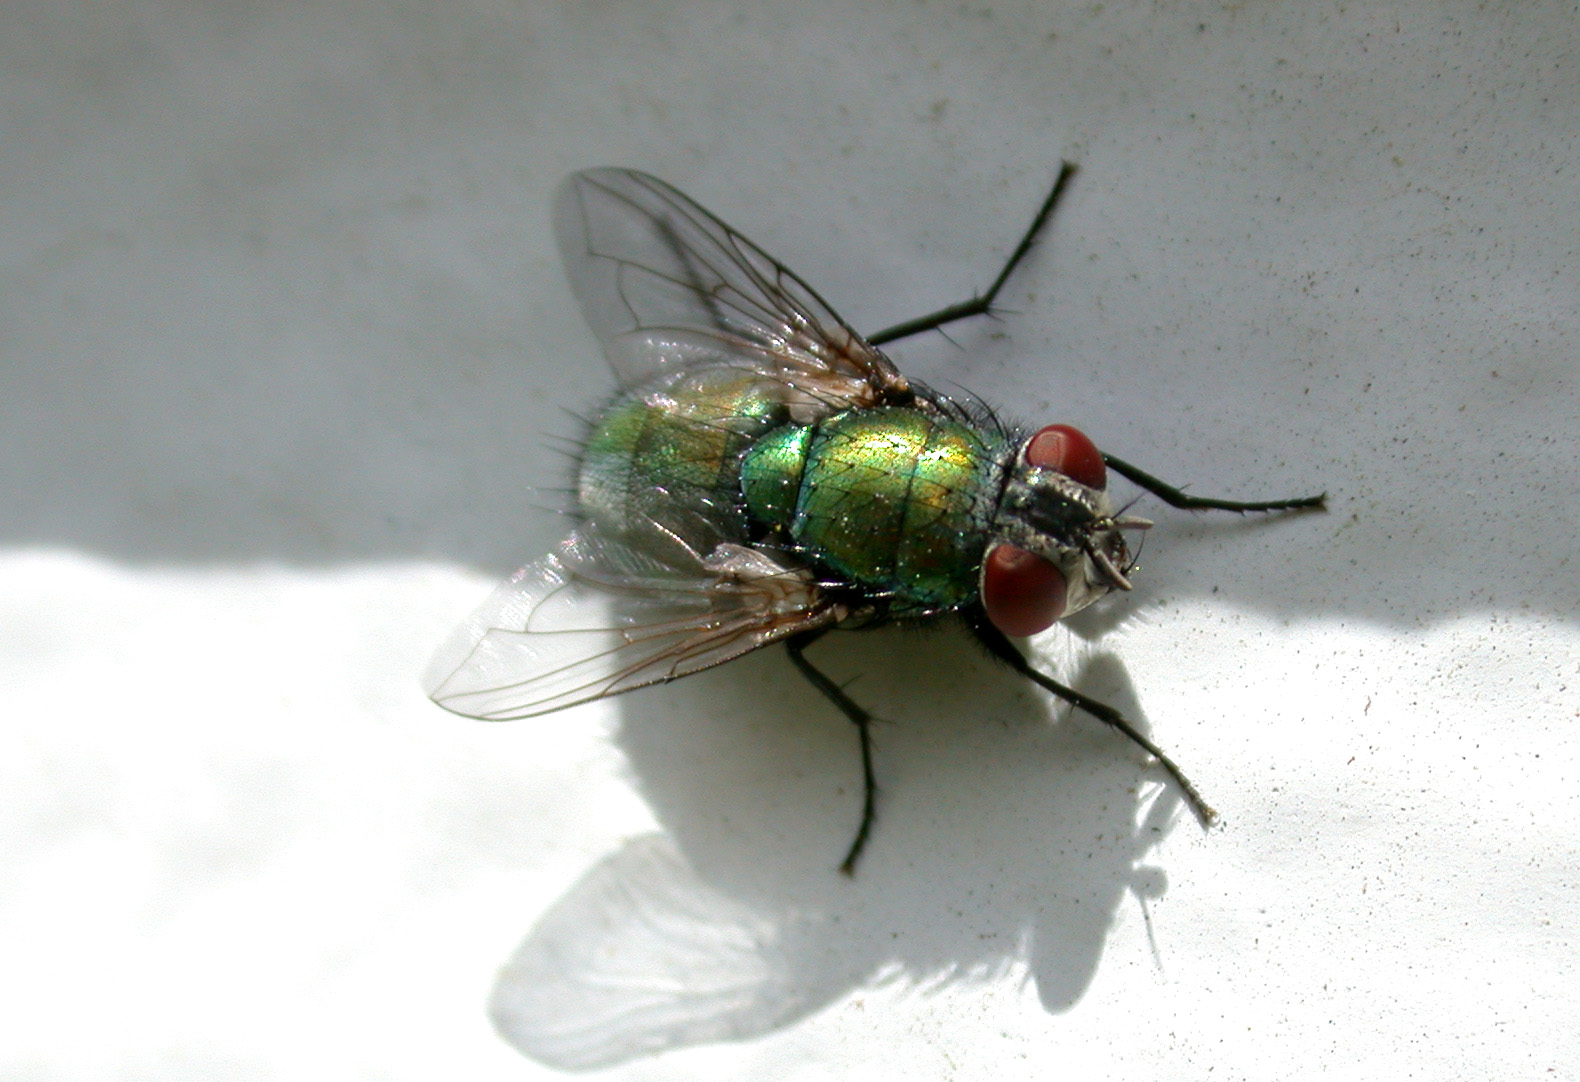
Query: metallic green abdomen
[663,465]
[896,500]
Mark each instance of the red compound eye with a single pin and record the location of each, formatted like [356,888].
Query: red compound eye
[1066,449]
[1022,592]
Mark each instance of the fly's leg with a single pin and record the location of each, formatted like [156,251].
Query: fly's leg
[1176,498]
[796,645]
[982,304]
[1000,647]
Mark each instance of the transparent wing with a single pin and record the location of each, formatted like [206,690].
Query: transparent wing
[597,617]
[664,284]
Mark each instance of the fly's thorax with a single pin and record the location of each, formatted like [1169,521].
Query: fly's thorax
[894,501]
[665,459]
[1057,544]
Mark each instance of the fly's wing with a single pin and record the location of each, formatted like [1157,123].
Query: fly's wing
[665,284]
[597,617]
[670,290]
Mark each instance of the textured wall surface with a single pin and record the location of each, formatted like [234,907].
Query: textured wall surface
[284,342]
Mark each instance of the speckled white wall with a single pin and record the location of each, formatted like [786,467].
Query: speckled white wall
[283,341]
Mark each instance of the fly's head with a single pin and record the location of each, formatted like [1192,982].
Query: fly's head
[1057,543]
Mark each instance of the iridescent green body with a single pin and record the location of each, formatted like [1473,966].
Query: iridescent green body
[662,466]
[768,475]
[896,501]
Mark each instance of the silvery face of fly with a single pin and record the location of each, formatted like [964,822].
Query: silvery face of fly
[766,475]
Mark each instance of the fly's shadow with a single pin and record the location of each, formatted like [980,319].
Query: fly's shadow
[1012,832]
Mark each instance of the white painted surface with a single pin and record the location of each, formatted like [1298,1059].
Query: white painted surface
[282,337]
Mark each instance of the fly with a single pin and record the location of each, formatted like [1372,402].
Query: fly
[767,475]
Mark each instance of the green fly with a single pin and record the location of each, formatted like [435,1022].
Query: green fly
[767,475]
